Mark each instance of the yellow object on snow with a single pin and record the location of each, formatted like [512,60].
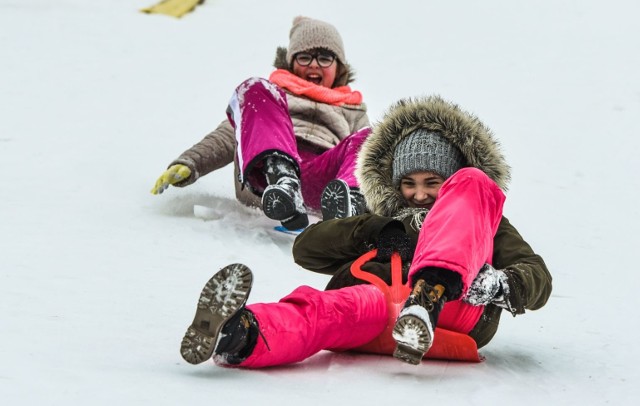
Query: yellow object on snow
[173,175]
[174,8]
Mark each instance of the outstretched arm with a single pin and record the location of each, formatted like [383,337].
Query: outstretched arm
[216,150]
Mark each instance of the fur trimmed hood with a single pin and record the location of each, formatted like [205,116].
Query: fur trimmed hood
[344,76]
[462,129]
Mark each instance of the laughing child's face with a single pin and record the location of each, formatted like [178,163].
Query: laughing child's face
[316,66]
[420,189]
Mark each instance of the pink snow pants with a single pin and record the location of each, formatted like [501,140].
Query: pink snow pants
[309,320]
[457,234]
[259,112]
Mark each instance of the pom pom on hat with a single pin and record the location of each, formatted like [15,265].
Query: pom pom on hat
[307,33]
[425,151]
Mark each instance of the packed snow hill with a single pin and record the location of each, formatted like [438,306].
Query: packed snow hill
[100,277]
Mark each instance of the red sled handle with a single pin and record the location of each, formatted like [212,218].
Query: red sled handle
[397,292]
[447,344]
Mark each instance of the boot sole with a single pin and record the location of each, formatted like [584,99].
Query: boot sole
[286,213]
[407,354]
[413,338]
[335,200]
[221,298]
[277,204]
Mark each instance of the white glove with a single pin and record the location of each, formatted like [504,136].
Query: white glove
[490,286]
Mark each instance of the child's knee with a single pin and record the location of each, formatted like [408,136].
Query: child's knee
[473,174]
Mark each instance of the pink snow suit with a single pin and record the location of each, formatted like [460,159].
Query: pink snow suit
[260,114]
[457,234]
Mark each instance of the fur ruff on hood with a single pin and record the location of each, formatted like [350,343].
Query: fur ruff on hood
[344,75]
[464,130]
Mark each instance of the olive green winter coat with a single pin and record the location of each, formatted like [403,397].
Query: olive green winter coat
[330,247]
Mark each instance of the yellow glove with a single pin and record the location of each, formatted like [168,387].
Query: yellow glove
[173,175]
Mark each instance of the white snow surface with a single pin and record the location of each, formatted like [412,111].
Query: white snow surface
[100,278]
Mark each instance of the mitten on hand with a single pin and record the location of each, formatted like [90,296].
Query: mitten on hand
[489,286]
[392,239]
[173,175]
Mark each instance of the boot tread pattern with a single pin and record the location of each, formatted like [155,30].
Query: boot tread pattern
[336,200]
[277,204]
[222,296]
[413,338]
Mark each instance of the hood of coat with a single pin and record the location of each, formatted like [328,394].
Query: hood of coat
[462,129]
[344,76]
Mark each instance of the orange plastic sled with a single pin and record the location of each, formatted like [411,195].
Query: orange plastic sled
[447,344]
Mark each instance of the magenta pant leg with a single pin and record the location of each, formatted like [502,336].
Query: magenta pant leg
[259,112]
[457,234]
[308,321]
[337,163]
[345,154]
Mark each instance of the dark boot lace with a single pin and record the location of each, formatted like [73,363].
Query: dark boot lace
[425,295]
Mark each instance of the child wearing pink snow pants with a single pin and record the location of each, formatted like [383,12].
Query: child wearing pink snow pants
[259,112]
[308,321]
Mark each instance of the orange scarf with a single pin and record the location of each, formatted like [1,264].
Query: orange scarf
[296,85]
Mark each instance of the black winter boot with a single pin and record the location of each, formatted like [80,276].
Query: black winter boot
[222,324]
[282,199]
[358,204]
[238,338]
[339,201]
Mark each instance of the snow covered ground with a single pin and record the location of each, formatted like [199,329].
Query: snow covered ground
[99,278]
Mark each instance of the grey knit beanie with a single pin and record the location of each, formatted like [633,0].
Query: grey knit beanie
[425,151]
[308,33]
